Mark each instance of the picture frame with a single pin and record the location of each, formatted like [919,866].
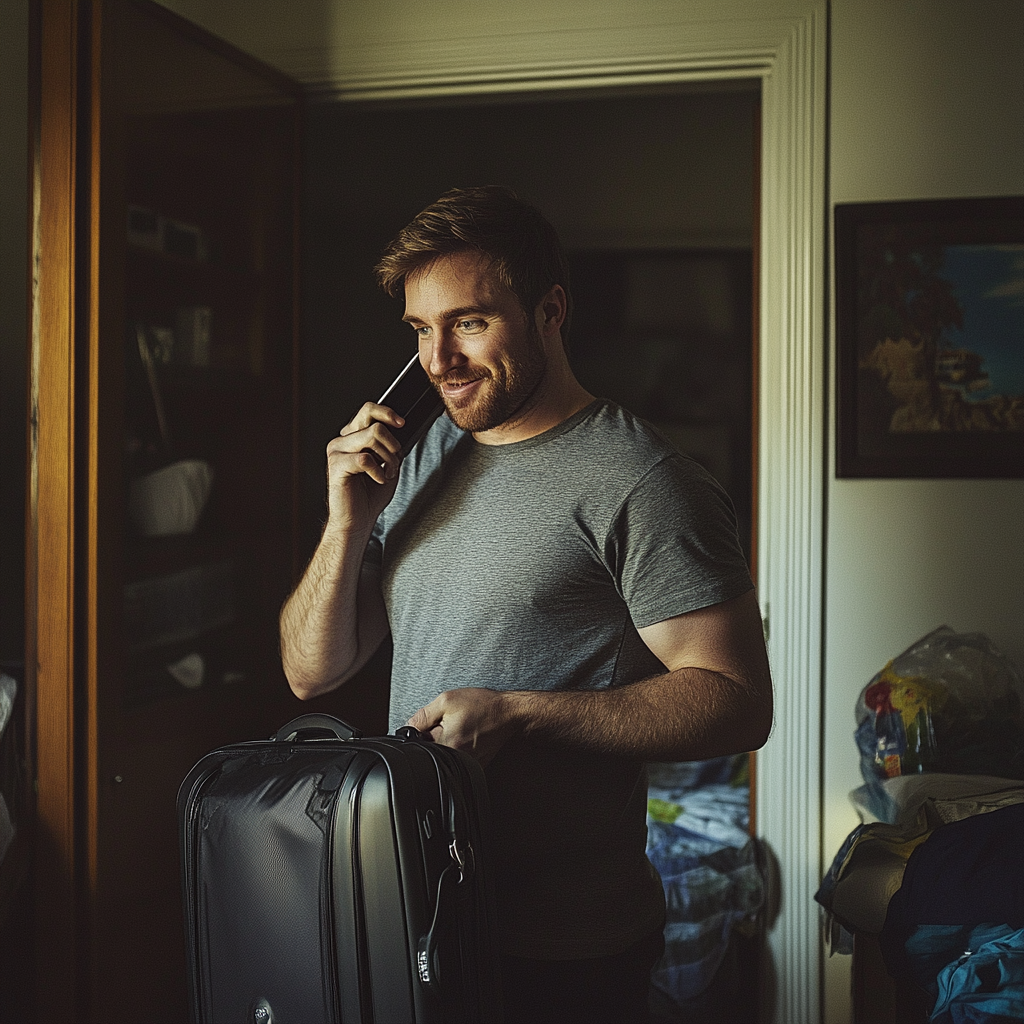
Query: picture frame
[930,339]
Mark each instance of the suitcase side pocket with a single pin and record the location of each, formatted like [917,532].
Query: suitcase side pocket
[256,837]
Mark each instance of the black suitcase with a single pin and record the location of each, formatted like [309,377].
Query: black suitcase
[333,878]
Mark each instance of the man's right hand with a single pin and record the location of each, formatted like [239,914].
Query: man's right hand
[335,618]
[362,469]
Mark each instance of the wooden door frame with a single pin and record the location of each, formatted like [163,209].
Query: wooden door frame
[53,658]
[64,583]
[73,493]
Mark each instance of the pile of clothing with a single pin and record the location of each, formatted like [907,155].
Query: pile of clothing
[697,820]
[934,870]
[955,927]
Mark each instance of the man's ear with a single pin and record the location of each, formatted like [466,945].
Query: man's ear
[552,307]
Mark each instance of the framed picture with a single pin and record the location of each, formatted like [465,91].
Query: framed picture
[930,331]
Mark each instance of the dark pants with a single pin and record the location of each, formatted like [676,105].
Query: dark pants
[604,990]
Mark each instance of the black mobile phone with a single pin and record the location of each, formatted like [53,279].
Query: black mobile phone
[416,400]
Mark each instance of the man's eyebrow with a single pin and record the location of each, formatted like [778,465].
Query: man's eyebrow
[451,314]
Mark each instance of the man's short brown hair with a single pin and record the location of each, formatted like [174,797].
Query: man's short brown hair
[520,243]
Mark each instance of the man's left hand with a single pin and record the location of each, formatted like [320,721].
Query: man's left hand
[473,719]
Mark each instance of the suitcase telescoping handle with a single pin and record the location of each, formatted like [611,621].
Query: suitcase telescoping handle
[316,725]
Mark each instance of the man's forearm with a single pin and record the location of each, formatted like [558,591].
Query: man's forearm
[686,715]
[321,643]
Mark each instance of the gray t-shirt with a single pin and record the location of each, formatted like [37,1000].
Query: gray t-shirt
[530,566]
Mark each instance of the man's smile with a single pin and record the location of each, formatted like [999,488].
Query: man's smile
[459,387]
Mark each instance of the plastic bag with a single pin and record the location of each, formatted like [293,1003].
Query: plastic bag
[949,703]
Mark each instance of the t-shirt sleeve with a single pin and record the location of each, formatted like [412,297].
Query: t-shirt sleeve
[374,553]
[673,545]
[422,470]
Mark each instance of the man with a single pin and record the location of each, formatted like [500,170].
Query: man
[565,592]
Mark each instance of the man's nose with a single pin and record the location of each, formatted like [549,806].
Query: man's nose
[444,353]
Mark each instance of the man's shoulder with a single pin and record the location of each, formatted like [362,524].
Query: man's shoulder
[442,436]
[613,436]
[618,424]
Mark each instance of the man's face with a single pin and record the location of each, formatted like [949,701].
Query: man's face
[483,353]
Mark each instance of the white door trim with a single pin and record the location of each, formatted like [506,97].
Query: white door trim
[787,52]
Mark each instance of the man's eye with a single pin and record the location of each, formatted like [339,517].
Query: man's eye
[471,325]
[421,332]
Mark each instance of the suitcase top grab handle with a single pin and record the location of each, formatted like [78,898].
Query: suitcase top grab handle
[310,726]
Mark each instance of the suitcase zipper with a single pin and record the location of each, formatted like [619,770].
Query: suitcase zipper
[193,939]
[450,780]
[194,914]
[479,926]
[326,902]
[426,952]
[364,988]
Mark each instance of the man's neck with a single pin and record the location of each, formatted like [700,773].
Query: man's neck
[558,396]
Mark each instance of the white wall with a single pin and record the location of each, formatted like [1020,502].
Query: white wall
[927,102]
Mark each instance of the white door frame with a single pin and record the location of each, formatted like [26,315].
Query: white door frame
[784,46]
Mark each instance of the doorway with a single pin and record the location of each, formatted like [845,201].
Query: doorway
[653,195]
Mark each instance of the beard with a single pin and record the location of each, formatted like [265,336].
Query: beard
[504,391]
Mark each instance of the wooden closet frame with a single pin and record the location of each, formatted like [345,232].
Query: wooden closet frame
[68,481]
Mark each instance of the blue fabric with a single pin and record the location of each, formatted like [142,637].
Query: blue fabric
[986,984]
